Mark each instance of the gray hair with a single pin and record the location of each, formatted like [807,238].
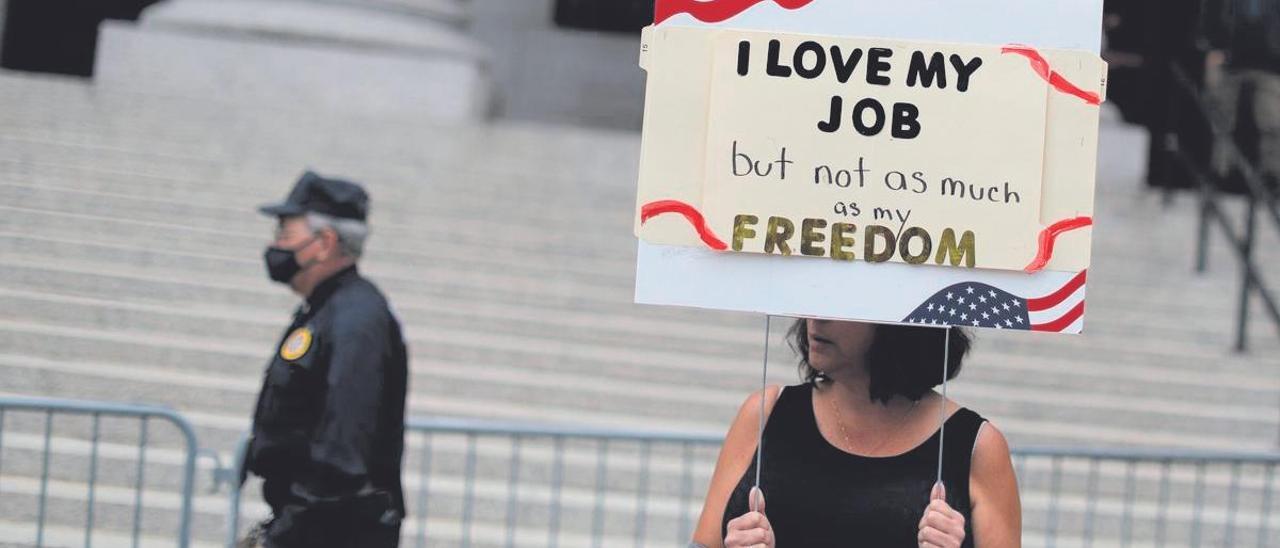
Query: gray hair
[351,233]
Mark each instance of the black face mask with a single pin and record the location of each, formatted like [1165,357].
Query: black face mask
[282,264]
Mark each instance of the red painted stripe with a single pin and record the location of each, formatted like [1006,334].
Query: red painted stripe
[1049,301]
[1041,67]
[713,11]
[1056,326]
[690,213]
[1048,236]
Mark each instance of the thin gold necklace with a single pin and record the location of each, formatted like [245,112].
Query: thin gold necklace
[848,440]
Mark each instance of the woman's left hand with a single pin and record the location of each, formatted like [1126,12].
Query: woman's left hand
[941,526]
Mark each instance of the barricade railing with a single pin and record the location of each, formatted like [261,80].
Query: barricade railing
[1075,496]
[43,438]
[495,483]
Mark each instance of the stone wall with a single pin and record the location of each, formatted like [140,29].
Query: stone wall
[546,74]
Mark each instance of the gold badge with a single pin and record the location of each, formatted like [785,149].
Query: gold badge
[296,345]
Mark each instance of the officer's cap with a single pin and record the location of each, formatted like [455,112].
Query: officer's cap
[316,194]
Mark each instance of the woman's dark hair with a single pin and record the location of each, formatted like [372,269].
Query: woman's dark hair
[903,359]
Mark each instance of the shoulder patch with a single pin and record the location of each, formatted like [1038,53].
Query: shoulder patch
[296,344]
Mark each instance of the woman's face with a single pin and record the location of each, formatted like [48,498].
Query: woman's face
[837,345]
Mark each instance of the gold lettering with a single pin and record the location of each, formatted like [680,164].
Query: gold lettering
[841,238]
[869,243]
[742,229]
[809,236]
[947,248]
[780,230]
[904,245]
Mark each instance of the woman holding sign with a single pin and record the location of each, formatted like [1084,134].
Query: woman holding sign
[850,457]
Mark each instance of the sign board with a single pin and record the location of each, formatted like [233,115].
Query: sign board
[919,162]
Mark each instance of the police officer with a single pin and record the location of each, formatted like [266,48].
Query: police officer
[328,431]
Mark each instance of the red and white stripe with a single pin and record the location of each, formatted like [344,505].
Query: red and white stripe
[1061,311]
[713,11]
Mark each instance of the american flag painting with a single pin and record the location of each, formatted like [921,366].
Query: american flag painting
[975,304]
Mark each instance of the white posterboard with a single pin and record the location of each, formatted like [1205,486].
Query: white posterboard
[677,266]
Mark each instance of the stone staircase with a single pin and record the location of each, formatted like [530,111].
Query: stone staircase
[130,270]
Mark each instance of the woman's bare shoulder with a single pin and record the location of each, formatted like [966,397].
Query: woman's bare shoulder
[991,463]
[991,443]
[744,431]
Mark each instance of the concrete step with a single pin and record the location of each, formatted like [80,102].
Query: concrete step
[1111,220]
[562,221]
[454,12]
[428,315]
[1154,295]
[1141,243]
[203,286]
[29,274]
[436,390]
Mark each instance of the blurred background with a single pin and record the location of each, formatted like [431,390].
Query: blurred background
[499,141]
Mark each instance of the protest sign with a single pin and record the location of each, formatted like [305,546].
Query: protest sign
[850,161]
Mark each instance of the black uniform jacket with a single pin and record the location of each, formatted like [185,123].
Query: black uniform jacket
[328,431]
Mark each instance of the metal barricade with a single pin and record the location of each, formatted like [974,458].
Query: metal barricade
[24,415]
[1141,497]
[491,483]
[479,482]
[488,483]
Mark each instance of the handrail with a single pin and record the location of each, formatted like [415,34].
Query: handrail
[1239,247]
[1258,193]
[1253,180]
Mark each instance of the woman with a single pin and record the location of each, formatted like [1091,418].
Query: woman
[850,457]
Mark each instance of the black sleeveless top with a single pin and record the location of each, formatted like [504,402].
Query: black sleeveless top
[819,496]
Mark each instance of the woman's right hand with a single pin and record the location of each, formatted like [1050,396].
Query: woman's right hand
[751,530]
